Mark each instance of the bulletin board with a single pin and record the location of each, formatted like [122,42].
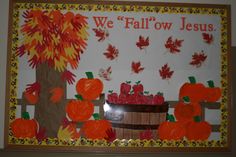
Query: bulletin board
[110,76]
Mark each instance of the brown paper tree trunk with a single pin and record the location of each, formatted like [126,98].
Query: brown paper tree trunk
[47,114]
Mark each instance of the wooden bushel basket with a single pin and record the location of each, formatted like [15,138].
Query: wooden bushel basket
[130,120]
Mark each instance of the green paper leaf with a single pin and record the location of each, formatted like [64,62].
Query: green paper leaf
[192,79]
[138,82]
[79,97]
[89,75]
[186,99]
[211,84]
[197,118]
[96,116]
[170,117]
[25,115]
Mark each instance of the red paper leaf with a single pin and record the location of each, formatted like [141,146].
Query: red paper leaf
[68,76]
[136,67]
[102,34]
[112,52]
[142,43]
[34,87]
[165,72]
[105,73]
[146,135]
[207,38]
[111,135]
[41,134]
[173,45]
[198,59]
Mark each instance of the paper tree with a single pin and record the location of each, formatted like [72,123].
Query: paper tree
[52,40]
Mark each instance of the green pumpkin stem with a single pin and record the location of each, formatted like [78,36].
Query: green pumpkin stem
[170,117]
[186,99]
[197,119]
[25,115]
[96,116]
[211,84]
[79,97]
[192,79]
[89,75]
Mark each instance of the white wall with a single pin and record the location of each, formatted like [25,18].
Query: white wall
[3,46]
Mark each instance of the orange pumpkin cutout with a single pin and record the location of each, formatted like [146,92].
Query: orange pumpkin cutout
[95,129]
[198,130]
[195,91]
[24,127]
[171,130]
[79,110]
[185,111]
[31,98]
[90,88]
[212,93]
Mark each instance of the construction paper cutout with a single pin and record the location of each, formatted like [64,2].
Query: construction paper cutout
[142,43]
[95,129]
[198,130]
[136,67]
[41,134]
[105,74]
[101,33]
[111,52]
[146,135]
[198,59]
[173,45]
[24,127]
[165,72]
[89,88]
[31,98]
[68,76]
[171,129]
[53,37]
[68,133]
[34,87]
[56,94]
[111,135]
[212,93]
[195,91]
[79,110]
[207,38]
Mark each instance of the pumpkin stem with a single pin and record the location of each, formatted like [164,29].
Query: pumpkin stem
[211,84]
[197,118]
[26,115]
[192,79]
[170,117]
[89,75]
[186,99]
[79,97]
[96,116]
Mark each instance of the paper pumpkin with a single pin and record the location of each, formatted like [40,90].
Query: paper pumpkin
[24,127]
[198,130]
[195,91]
[96,129]
[171,130]
[185,111]
[212,93]
[90,88]
[79,110]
